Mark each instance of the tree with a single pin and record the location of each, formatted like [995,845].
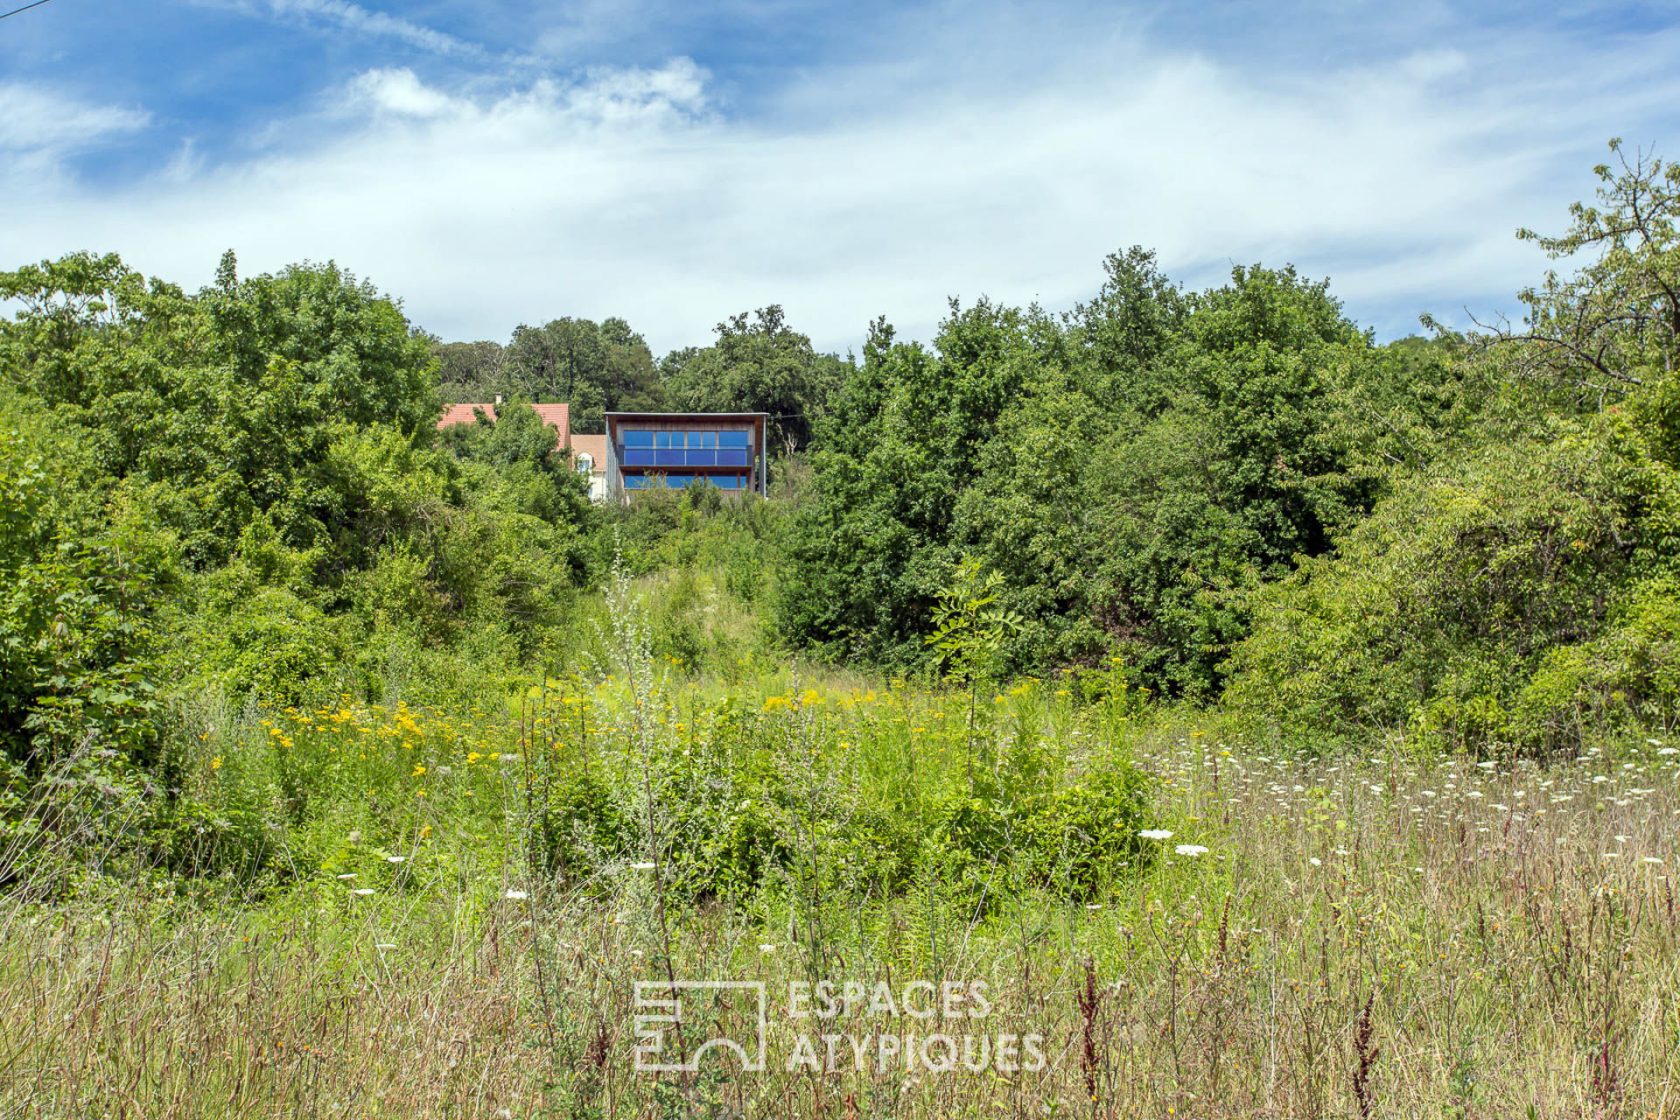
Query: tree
[1597,334]
[758,364]
[1519,589]
[469,371]
[594,367]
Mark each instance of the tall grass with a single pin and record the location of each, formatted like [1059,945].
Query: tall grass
[394,911]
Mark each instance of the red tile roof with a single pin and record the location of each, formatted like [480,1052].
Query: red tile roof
[556,416]
[463,414]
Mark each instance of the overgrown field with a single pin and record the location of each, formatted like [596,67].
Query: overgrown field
[1181,706]
[452,911]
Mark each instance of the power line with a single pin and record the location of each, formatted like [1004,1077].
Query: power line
[25,8]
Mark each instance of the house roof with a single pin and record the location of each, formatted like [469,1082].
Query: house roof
[556,416]
[593,446]
[463,414]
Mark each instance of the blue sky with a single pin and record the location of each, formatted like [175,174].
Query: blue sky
[494,163]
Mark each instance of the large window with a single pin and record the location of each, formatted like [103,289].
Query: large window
[687,449]
[680,481]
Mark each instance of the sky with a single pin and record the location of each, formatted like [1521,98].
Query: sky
[673,162]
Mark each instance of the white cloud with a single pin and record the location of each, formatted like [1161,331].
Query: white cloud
[886,187]
[354,17]
[45,121]
[400,92]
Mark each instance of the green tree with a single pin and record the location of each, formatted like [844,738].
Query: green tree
[469,372]
[758,364]
[594,367]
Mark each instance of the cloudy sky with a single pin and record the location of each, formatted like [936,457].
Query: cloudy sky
[673,161]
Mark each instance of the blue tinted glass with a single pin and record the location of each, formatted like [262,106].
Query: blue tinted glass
[669,458]
[639,456]
[666,439]
[732,439]
[731,457]
[702,458]
[707,439]
[638,439]
[635,482]
[727,481]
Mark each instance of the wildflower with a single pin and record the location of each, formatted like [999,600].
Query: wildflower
[385,945]
[1156,834]
[419,771]
[363,891]
[348,875]
[396,859]
[646,866]
[472,757]
[216,763]
[1191,850]
[1668,750]
[1315,861]
[767,948]
[517,896]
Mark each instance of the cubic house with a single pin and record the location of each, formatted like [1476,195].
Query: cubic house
[649,450]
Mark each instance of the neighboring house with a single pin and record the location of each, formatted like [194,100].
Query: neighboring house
[556,416]
[589,458]
[649,450]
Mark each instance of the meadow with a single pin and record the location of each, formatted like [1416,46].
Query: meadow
[1181,706]
[445,912]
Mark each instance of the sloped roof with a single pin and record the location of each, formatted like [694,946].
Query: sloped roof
[556,416]
[463,414]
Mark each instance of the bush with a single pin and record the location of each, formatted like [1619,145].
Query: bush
[1480,603]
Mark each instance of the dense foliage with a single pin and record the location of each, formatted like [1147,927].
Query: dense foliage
[237,500]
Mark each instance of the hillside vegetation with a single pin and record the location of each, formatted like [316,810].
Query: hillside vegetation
[1275,720]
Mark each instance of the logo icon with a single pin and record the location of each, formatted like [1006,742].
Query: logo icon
[663,1004]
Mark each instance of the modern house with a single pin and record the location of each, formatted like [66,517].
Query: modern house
[651,450]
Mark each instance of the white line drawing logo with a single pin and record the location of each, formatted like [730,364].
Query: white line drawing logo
[659,1004]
